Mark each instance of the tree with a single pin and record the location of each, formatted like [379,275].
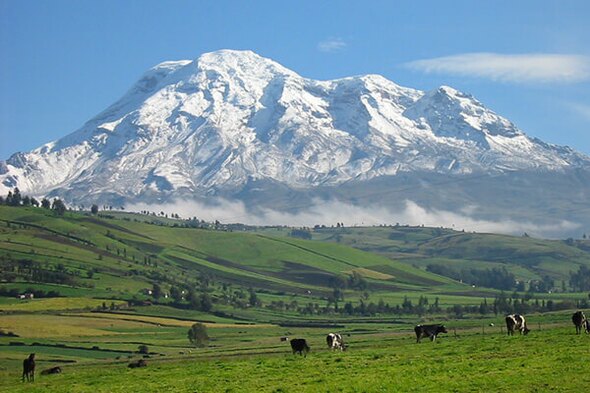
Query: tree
[580,280]
[156,291]
[45,204]
[94,209]
[143,349]
[253,300]
[176,294]
[59,207]
[201,302]
[205,302]
[197,335]
[16,198]
[301,234]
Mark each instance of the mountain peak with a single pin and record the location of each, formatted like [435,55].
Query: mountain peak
[217,122]
[242,61]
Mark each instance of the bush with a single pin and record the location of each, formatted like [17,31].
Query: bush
[197,335]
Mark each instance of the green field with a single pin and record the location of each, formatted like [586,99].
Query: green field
[93,311]
[379,358]
[528,258]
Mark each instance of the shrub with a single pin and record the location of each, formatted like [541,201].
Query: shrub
[197,335]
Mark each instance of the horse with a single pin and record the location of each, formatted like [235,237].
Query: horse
[29,368]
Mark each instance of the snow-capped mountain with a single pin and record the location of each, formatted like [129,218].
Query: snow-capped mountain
[230,119]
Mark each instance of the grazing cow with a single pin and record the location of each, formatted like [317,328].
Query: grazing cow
[335,341]
[29,368]
[428,331]
[299,345]
[52,370]
[284,338]
[516,322]
[579,320]
[138,363]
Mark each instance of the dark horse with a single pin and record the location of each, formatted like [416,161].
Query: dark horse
[29,368]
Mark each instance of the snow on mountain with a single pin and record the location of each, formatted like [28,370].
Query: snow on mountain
[231,117]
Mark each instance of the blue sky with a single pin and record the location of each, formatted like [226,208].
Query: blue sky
[62,62]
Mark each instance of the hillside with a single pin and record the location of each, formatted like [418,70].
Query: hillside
[121,258]
[526,257]
[90,275]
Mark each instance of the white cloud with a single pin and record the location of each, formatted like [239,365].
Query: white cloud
[331,45]
[510,68]
[331,212]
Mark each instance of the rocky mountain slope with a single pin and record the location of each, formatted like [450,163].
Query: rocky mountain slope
[231,122]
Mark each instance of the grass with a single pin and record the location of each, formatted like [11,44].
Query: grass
[547,360]
[113,260]
[528,258]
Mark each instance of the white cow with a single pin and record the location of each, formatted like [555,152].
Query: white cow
[334,341]
[516,322]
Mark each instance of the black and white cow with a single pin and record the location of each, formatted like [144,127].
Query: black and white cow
[428,331]
[587,326]
[516,322]
[299,345]
[579,320]
[335,341]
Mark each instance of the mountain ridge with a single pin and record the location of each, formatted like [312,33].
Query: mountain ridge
[213,125]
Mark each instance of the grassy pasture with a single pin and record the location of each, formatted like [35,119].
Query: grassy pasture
[552,359]
[125,256]
[528,258]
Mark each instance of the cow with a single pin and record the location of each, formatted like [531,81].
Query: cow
[137,363]
[579,320]
[299,345]
[29,368]
[52,370]
[335,341]
[587,326]
[428,331]
[516,322]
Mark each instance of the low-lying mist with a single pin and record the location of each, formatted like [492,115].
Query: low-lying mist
[330,212]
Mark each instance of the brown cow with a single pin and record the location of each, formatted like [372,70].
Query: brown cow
[52,370]
[29,368]
[428,331]
[299,345]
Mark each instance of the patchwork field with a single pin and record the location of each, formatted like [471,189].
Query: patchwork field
[379,358]
[95,309]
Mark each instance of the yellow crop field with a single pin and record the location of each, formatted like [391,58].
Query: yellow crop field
[57,303]
[370,273]
[166,321]
[61,326]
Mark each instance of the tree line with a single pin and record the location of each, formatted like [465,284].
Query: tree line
[15,198]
